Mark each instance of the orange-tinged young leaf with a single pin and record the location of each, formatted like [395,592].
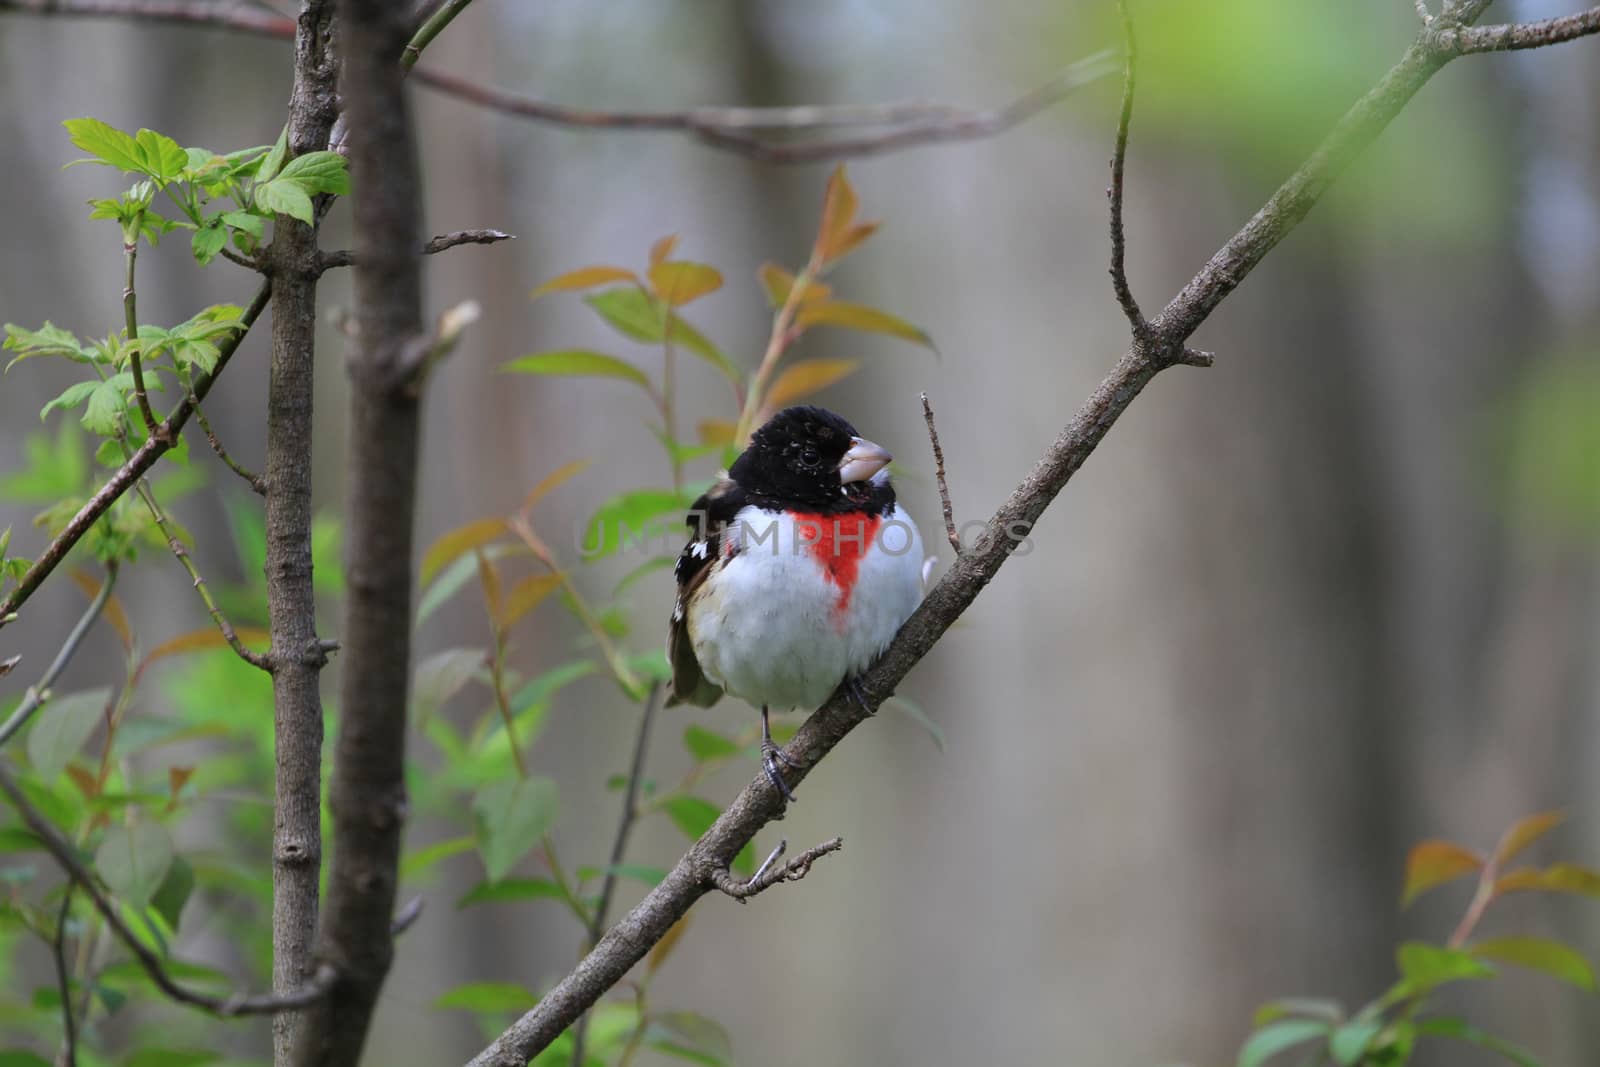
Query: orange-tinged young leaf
[1540,954]
[177,778]
[1526,832]
[662,249]
[716,432]
[1557,878]
[778,282]
[585,278]
[800,380]
[859,317]
[681,282]
[489,578]
[1432,864]
[458,542]
[112,612]
[664,947]
[839,205]
[577,362]
[202,640]
[525,595]
[87,783]
[551,481]
[851,239]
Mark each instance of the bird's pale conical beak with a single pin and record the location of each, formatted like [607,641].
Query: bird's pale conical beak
[862,461]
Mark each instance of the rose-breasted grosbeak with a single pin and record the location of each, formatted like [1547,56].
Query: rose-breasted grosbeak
[800,569]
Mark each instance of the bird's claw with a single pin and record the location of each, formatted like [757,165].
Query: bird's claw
[771,756]
[853,685]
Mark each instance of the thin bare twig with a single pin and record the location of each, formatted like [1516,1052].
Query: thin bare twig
[1469,40]
[619,845]
[142,460]
[66,854]
[1119,274]
[257,484]
[345,257]
[906,125]
[244,652]
[38,693]
[242,260]
[1423,13]
[58,948]
[938,473]
[769,874]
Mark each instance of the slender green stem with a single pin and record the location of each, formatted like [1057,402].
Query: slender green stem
[58,947]
[130,314]
[249,655]
[431,28]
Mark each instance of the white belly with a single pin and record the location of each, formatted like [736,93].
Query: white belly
[773,628]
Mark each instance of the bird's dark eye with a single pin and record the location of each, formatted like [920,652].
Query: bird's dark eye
[810,457]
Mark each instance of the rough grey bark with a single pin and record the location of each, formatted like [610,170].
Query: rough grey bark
[297,654]
[386,358]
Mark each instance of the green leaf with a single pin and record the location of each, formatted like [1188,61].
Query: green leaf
[207,242]
[441,676]
[1450,1026]
[704,744]
[70,397]
[423,859]
[1348,1044]
[252,224]
[695,1031]
[1557,878]
[105,143]
[488,997]
[284,196]
[577,363]
[20,1057]
[691,814]
[638,872]
[1540,954]
[107,403]
[318,172]
[134,860]
[1311,1007]
[915,713]
[541,688]
[171,1057]
[631,312]
[161,157]
[61,728]
[1426,967]
[640,317]
[272,162]
[511,817]
[1274,1038]
[631,518]
[47,340]
[449,582]
[174,892]
[511,889]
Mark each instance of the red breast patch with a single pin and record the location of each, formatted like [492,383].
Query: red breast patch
[838,542]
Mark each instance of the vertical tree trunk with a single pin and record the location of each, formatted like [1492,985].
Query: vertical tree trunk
[368,788]
[296,652]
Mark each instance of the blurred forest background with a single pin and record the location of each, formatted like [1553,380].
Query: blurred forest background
[1334,595]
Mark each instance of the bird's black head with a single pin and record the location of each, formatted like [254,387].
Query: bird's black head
[811,459]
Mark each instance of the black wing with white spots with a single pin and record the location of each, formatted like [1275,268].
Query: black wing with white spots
[707,520]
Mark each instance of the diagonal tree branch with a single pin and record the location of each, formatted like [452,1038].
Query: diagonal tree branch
[66,854]
[1467,40]
[1164,345]
[39,693]
[154,447]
